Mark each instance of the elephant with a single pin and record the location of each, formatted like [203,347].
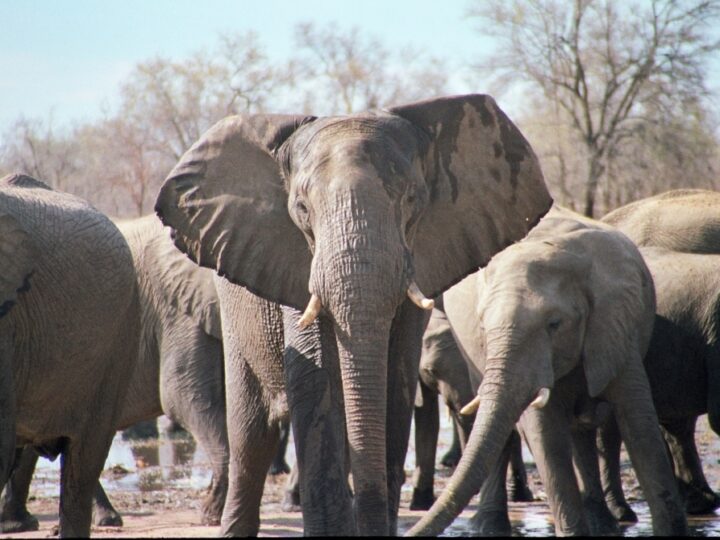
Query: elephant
[350,224]
[678,234]
[67,333]
[178,367]
[445,371]
[571,307]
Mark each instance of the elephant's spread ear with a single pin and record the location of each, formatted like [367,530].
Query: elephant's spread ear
[227,204]
[622,309]
[486,187]
[181,283]
[17,258]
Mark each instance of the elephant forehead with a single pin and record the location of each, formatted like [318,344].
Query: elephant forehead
[352,148]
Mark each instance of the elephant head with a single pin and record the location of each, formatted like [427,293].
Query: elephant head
[351,214]
[573,293]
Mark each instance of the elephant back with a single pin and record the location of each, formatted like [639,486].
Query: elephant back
[75,309]
[681,220]
[173,280]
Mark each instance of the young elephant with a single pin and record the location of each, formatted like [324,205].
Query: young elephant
[179,369]
[569,308]
[68,336]
[445,371]
[679,235]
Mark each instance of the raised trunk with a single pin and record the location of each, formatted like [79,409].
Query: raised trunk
[500,408]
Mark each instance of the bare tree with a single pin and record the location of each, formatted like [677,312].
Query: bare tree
[612,68]
[35,147]
[347,71]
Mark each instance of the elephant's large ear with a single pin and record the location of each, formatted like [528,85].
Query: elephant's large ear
[486,187]
[17,258]
[622,308]
[181,283]
[227,205]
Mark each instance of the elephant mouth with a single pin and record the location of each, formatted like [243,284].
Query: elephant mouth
[314,306]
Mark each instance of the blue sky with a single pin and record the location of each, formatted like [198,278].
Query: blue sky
[69,56]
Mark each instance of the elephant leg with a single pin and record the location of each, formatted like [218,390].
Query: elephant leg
[517,486]
[404,353]
[427,428]
[279,465]
[81,463]
[547,432]
[585,461]
[105,514]
[253,438]
[491,518]
[452,457]
[291,498]
[698,496]
[608,444]
[315,399]
[630,395]
[15,516]
[193,395]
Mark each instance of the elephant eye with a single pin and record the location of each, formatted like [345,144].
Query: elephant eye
[554,324]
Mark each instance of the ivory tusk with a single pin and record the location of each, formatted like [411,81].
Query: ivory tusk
[311,312]
[472,407]
[542,398]
[418,297]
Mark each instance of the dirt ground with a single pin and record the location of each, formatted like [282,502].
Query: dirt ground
[173,511]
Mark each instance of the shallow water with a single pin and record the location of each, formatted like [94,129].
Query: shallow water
[178,462]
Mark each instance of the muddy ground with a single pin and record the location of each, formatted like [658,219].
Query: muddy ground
[158,499]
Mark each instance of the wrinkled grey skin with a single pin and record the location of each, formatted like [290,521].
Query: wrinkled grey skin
[679,235]
[67,334]
[179,368]
[446,372]
[570,308]
[353,210]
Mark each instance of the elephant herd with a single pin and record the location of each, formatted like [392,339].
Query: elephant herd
[299,268]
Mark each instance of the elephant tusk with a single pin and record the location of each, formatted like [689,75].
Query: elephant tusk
[418,297]
[311,312]
[542,398]
[472,407]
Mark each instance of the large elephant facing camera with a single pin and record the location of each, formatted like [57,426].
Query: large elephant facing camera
[350,216]
[570,308]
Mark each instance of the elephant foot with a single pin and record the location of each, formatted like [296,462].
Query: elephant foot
[491,523]
[422,499]
[109,519]
[279,468]
[291,502]
[600,520]
[451,458]
[21,521]
[622,512]
[519,492]
[211,513]
[701,501]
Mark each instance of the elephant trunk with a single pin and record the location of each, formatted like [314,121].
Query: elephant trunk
[500,408]
[361,278]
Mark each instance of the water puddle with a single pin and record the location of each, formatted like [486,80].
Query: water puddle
[175,461]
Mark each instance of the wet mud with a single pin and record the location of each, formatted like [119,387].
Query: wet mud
[158,487]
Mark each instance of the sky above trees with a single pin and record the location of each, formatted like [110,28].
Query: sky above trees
[70,57]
